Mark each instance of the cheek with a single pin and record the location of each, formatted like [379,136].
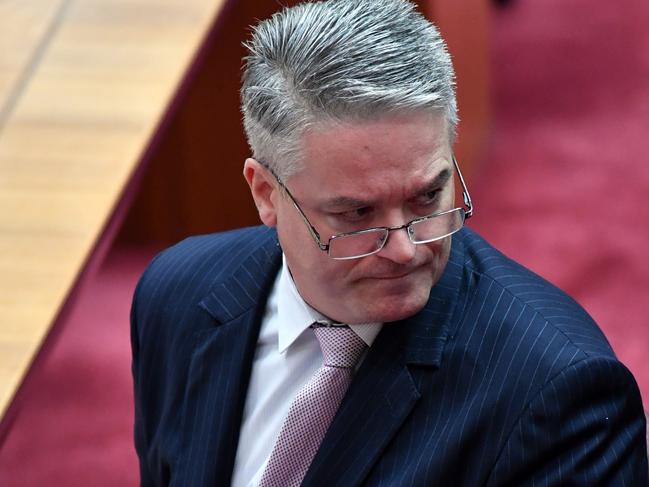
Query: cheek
[335,272]
[294,237]
[331,284]
[313,266]
[437,248]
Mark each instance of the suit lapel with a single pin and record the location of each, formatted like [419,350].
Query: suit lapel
[378,402]
[220,369]
[384,392]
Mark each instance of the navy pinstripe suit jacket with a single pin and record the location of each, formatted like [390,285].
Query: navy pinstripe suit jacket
[501,380]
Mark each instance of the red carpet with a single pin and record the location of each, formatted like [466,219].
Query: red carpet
[75,427]
[564,190]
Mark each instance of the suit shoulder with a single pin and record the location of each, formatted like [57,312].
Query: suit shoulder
[242,241]
[194,265]
[559,312]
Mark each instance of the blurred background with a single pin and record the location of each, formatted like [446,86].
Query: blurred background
[120,134]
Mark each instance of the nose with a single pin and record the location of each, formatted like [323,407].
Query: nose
[398,247]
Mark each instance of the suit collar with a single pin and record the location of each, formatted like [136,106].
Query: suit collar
[427,332]
[248,286]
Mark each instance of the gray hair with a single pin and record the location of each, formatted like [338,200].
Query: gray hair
[339,60]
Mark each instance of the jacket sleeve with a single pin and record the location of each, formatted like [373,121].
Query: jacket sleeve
[585,427]
[141,367]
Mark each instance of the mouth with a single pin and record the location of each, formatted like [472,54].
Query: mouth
[395,276]
[392,277]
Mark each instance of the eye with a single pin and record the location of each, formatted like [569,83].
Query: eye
[355,215]
[428,198]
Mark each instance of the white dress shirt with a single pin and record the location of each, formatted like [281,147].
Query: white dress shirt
[286,357]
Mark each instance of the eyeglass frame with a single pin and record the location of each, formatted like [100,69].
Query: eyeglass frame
[468,213]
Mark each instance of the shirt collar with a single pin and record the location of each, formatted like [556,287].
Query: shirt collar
[295,315]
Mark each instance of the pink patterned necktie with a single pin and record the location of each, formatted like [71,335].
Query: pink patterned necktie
[314,407]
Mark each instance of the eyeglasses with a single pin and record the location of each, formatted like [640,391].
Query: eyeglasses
[361,243]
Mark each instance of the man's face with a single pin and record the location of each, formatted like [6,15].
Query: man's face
[360,175]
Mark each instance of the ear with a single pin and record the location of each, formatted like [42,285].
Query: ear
[263,190]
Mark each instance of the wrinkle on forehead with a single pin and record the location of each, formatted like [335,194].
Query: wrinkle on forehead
[382,159]
[342,201]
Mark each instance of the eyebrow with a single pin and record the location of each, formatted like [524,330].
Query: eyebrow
[438,181]
[350,202]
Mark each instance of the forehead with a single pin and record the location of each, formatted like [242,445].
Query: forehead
[386,155]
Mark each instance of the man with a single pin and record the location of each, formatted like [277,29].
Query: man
[461,367]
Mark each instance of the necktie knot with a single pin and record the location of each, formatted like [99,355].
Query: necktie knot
[341,346]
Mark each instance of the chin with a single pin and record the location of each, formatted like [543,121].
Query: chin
[382,309]
[372,300]
[400,299]
[395,311]
[393,307]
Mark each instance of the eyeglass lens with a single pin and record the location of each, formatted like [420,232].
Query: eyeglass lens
[437,227]
[370,241]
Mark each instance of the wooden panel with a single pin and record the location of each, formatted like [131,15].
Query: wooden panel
[465,25]
[25,29]
[71,142]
